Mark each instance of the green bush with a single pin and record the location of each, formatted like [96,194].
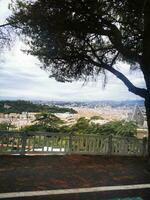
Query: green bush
[96,117]
[119,128]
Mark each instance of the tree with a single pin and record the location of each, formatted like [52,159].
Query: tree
[77,39]
[48,121]
[118,128]
[6,126]
[82,126]
[45,122]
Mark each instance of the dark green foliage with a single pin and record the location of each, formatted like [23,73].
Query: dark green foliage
[7,126]
[97,117]
[47,128]
[51,123]
[119,128]
[55,109]
[20,106]
[82,126]
[45,122]
[41,128]
[27,106]
[48,119]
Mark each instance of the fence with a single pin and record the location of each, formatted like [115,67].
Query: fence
[57,143]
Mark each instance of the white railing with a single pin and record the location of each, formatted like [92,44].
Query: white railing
[57,143]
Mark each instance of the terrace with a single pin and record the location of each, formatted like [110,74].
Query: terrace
[40,173]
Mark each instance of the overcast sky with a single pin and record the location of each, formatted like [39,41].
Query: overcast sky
[22,78]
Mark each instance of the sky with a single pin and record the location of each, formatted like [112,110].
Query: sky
[22,78]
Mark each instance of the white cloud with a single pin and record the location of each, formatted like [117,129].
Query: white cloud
[22,77]
[4,11]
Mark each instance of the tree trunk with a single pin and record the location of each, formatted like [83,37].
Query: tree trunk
[146,63]
[147,106]
[146,46]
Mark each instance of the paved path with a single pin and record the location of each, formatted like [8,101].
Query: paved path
[40,173]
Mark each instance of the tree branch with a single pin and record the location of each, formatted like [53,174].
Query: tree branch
[114,59]
[116,39]
[7,24]
[132,88]
[142,92]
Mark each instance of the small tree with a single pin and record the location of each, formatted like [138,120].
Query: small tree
[48,121]
[82,126]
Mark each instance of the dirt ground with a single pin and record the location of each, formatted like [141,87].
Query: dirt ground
[31,173]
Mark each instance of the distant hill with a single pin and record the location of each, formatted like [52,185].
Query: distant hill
[20,106]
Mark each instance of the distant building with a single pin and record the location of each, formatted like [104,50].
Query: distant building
[67,117]
[100,121]
[17,119]
[7,106]
[138,116]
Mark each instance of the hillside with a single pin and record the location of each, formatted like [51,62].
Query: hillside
[27,106]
